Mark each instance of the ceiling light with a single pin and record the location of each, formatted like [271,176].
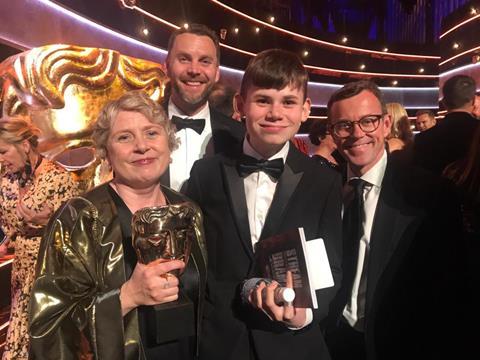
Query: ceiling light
[257,30]
[344,39]
[305,53]
[456,45]
[145,31]
[473,11]
[362,67]
[271,19]
[421,70]
[385,49]
[185,25]
[394,82]
[235,30]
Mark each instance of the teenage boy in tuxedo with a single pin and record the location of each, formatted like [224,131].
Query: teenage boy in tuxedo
[265,188]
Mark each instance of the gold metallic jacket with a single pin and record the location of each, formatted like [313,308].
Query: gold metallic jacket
[75,308]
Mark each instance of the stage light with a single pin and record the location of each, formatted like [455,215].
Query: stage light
[145,31]
[257,30]
[473,11]
[394,82]
[271,19]
[305,53]
[185,26]
[477,48]
[421,70]
[362,67]
[385,49]
[235,30]
[344,39]
[455,45]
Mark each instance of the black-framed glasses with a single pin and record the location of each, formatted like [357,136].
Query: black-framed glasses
[368,124]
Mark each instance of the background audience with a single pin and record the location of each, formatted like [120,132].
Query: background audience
[31,189]
[425,120]
[401,135]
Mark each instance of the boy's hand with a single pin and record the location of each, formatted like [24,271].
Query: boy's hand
[263,296]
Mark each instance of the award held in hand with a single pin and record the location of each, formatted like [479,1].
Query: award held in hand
[162,234]
[307,260]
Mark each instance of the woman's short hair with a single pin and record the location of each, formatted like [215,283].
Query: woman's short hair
[15,129]
[318,130]
[136,101]
[396,112]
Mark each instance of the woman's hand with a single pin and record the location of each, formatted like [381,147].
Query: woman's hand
[264,300]
[33,217]
[150,285]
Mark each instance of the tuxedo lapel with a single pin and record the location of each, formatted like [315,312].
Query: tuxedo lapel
[287,184]
[238,203]
[392,217]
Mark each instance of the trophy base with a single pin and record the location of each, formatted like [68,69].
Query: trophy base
[171,321]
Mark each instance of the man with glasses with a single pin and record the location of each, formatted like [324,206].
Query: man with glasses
[398,294]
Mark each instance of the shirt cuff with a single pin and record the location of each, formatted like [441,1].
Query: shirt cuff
[308,320]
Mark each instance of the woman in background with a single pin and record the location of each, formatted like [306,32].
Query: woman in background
[325,149]
[31,189]
[401,135]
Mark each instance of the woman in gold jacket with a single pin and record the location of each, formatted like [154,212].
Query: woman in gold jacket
[92,299]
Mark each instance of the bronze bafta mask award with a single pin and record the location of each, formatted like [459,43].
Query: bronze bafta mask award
[166,233]
[163,233]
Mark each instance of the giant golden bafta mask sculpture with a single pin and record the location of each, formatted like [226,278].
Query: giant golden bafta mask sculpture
[64,87]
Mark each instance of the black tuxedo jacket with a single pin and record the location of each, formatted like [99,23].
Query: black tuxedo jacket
[227,134]
[414,284]
[307,196]
[446,142]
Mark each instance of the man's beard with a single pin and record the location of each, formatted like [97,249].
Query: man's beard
[202,98]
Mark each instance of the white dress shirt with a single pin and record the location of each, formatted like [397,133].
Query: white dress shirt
[259,191]
[192,145]
[354,312]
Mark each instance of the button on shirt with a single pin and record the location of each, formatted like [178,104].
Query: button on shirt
[354,312]
[191,148]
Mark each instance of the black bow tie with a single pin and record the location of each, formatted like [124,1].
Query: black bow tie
[195,124]
[247,165]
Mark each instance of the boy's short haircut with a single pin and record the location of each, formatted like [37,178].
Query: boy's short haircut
[275,69]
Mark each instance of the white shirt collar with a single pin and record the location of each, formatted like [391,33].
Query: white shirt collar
[375,175]
[173,110]
[250,151]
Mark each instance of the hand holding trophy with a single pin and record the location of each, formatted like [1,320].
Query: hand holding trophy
[164,235]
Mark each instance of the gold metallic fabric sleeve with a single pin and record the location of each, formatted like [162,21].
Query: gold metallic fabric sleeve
[75,307]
